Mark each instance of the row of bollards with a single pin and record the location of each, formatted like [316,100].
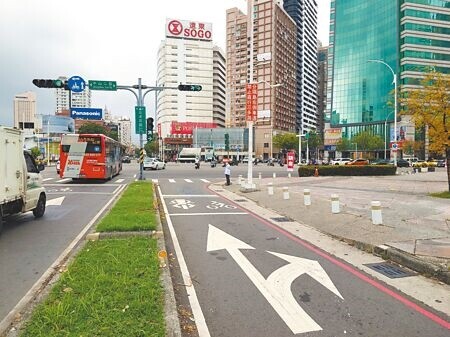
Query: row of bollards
[377,218]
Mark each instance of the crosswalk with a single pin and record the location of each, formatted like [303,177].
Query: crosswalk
[121,180]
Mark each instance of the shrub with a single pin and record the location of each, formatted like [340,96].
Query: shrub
[346,170]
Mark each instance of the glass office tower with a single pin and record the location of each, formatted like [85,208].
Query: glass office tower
[411,36]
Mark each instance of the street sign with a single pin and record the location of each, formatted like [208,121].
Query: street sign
[139,119]
[251,104]
[394,147]
[76,84]
[290,161]
[86,113]
[103,85]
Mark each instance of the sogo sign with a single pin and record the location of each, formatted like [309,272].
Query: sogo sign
[189,29]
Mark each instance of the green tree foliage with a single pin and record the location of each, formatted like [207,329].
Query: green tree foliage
[114,135]
[429,107]
[90,127]
[152,148]
[285,141]
[35,152]
[314,140]
[367,141]
[343,144]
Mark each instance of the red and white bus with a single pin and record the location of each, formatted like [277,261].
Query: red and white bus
[90,156]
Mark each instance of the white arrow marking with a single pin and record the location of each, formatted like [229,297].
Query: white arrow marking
[277,288]
[55,202]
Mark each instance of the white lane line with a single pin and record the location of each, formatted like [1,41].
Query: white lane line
[199,318]
[171,180]
[47,179]
[190,196]
[205,180]
[155,181]
[222,213]
[63,180]
[119,181]
[188,180]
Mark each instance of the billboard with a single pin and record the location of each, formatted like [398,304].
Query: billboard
[187,128]
[332,136]
[251,105]
[189,29]
[56,124]
[86,113]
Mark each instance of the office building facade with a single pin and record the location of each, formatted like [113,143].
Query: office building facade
[304,14]
[25,111]
[219,87]
[274,69]
[410,36]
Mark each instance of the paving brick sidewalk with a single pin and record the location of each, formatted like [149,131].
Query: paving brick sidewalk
[415,225]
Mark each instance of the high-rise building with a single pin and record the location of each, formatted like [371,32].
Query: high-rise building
[304,14]
[322,62]
[124,130]
[77,99]
[274,70]
[185,56]
[409,36]
[219,87]
[25,111]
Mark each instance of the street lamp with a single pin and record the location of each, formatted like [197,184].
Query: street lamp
[395,104]
[385,134]
[300,146]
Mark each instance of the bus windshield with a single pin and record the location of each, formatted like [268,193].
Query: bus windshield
[94,144]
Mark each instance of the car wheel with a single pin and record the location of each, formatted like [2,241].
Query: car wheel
[39,211]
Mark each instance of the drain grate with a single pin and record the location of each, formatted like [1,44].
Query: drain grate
[281,219]
[390,270]
[240,200]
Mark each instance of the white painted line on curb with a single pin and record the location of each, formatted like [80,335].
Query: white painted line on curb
[219,213]
[20,306]
[155,181]
[190,196]
[199,318]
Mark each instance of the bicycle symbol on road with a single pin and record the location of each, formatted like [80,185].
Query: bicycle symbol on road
[182,203]
[217,205]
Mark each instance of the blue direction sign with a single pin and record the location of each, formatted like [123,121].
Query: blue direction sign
[76,84]
[86,113]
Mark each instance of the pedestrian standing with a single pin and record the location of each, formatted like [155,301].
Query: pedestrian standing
[227,174]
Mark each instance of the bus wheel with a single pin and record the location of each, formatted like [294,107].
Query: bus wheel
[39,211]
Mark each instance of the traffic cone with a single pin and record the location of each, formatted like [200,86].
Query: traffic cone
[316,172]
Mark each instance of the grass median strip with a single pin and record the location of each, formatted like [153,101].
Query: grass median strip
[111,289]
[133,212]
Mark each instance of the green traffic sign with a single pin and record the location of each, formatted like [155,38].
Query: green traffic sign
[103,85]
[140,121]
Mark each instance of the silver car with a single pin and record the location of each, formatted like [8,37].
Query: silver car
[153,164]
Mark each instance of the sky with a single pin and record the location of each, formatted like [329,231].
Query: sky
[97,40]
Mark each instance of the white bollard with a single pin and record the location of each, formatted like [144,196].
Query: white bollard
[307,197]
[289,174]
[239,179]
[335,204]
[274,175]
[377,219]
[285,193]
[270,188]
[259,176]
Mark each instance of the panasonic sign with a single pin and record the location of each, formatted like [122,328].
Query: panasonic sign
[86,113]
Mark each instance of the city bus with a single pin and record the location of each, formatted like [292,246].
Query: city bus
[90,156]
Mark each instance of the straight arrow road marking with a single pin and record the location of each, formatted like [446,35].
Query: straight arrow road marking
[55,202]
[277,288]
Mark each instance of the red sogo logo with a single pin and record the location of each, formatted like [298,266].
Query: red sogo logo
[176,28]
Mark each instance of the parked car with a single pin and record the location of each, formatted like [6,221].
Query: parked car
[380,162]
[441,163]
[154,164]
[245,160]
[400,163]
[126,159]
[358,162]
[58,167]
[340,161]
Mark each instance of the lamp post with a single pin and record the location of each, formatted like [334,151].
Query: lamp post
[48,140]
[395,104]
[300,146]
[385,134]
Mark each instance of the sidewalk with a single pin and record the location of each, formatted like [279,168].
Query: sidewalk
[415,230]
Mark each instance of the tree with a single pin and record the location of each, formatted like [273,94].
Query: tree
[429,107]
[35,152]
[91,127]
[367,141]
[285,141]
[343,144]
[152,147]
[114,135]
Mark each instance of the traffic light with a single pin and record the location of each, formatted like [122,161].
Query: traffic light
[40,83]
[149,129]
[227,142]
[189,87]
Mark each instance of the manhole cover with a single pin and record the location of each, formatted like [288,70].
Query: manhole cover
[240,200]
[281,219]
[390,270]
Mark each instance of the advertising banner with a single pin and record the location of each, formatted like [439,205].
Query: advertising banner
[189,29]
[332,136]
[187,128]
[56,124]
[86,113]
[290,161]
[251,105]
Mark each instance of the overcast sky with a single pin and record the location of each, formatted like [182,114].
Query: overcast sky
[97,40]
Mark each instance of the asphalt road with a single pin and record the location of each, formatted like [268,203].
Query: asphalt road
[247,277]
